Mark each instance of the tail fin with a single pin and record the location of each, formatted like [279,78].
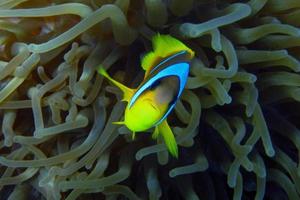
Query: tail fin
[164,46]
[127,92]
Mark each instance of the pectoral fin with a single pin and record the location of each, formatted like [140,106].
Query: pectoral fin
[169,138]
[155,133]
[118,123]
[127,92]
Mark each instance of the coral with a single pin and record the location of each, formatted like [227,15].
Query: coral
[236,123]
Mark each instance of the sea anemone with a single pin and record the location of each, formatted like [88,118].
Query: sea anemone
[236,124]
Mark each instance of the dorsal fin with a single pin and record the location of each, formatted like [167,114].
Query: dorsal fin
[163,46]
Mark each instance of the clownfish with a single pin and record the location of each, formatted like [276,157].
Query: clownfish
[166,72]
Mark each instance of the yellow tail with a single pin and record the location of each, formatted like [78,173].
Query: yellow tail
[164,46]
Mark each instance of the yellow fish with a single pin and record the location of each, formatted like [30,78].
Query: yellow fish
[166,71]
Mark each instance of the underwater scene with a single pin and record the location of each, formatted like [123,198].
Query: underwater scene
[150,99]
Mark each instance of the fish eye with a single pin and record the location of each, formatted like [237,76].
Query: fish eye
[154,85]
[173,101]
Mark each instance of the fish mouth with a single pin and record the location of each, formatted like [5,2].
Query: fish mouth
[151,104]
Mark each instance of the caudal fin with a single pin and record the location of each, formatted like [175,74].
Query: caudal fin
[163,46]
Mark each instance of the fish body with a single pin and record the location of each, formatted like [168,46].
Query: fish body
[166,72]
